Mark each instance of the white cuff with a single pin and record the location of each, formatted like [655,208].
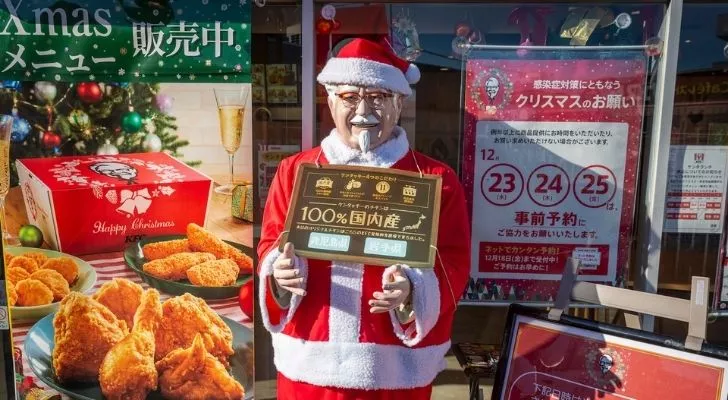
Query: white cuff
[266,270]
[425,302]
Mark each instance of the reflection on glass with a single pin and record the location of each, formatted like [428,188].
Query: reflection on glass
[231,113]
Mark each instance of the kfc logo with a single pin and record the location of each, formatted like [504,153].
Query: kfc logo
[116,170]
[699,157]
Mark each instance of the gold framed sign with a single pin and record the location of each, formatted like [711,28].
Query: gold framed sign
[367,215]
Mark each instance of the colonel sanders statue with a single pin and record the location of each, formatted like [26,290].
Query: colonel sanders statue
[357,331]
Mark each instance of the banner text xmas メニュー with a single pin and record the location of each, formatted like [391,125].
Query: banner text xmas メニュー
[114,41]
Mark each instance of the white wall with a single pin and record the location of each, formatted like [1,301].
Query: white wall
[196,112]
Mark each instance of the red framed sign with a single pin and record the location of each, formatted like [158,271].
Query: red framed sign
[578,359]
[551,151]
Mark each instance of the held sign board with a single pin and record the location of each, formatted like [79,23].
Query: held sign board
[367,215]
[550,166]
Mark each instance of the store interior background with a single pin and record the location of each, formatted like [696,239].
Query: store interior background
[433,115]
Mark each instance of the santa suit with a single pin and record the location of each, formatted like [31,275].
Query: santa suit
[327,345]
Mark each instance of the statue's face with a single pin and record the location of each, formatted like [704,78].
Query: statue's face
[364,117]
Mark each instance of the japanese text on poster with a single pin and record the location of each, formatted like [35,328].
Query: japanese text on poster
[696,189]
[551,151]
[123,41]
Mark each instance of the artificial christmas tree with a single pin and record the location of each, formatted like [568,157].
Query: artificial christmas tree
[53,119]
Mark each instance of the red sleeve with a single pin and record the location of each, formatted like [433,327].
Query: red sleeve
[274,219]
[436,291]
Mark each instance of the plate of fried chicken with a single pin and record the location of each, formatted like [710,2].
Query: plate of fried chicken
[198,263]
[176,349]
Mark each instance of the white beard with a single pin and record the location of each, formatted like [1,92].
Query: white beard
[364,141]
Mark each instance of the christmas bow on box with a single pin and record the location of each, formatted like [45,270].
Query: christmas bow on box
[134,202]
[242,202]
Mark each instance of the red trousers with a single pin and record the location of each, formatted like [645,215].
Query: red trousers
[291,390]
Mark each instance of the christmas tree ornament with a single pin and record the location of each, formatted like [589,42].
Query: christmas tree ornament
[50,139]
[462,30]
[86,133]
[30,236]
[245,298]
[107,149]
[152,143]
[80,146]
[131,122]
[11,85]
[46,91]
[405,39]
[324,27]
[79,119]
[21,130]
[337,24]
[653,47]
[328,12]
[164,103]
[623,21]
[459,46]
[89,92]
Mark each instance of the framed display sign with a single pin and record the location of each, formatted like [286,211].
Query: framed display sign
[581,359]
[369,215]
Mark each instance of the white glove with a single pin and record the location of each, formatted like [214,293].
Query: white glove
[286,276]
[396,291]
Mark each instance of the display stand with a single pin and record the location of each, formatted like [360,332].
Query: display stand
[693,311]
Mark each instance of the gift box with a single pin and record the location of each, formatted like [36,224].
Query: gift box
[99,204]
[242,202]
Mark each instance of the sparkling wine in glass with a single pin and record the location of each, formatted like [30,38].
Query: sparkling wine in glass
[6,127]
[231,113]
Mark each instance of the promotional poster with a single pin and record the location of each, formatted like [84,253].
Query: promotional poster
[550,166]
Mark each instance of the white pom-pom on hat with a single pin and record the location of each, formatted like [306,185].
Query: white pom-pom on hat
[368,64]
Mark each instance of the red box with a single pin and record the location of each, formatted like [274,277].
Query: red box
[100,204]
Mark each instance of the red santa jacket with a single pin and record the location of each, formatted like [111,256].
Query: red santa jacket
[329,337]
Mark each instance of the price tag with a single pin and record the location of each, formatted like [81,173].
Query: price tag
[366,215]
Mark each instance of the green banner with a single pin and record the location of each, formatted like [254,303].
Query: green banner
[125,40]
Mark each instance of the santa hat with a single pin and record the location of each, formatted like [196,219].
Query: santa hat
[368,64]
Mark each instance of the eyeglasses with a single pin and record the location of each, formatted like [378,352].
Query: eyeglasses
[374,100]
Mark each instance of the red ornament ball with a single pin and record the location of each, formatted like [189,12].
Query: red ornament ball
[245,298]
[324,26]
[462,30]
[337,25]
[89,92]
[50,140]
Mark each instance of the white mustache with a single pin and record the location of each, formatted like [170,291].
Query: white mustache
[361,120]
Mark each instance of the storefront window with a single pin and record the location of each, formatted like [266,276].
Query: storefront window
[428,34]
[695,201]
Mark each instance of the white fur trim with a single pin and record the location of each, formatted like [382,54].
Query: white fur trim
[426,302]
[364,73]
[345,302]
[385,155]
[413,74]
[358,365]
[266,270]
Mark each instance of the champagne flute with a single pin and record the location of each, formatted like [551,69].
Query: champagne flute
[6,128]
[231,112]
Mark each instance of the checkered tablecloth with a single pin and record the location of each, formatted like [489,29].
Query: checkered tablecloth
[108,267]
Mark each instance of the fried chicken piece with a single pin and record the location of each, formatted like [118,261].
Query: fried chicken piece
[26,263]
[39,257]
[193,373]
[85,330]
[32,292]
[122,297]
[203,240]
[159,250]
[64,266]
[55,282]
[186,316]
[215,273]
[12,295]
[128,371]
[174,267]
[8,257]
[16,274]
